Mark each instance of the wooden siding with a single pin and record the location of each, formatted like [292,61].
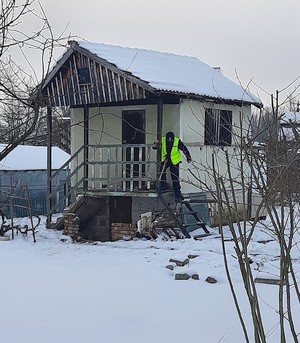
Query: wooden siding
[106,86]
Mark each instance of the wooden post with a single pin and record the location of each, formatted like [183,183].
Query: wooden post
[49,166]
[159,123]
[86,146]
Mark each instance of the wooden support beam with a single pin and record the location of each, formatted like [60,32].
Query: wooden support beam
[86,145]
[159,122]
[49,165]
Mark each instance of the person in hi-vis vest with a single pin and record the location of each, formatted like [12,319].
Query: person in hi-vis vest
[171,158]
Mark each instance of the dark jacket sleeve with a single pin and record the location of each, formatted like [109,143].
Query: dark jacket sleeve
[185,150]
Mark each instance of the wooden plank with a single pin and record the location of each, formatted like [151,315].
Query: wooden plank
[111,85]
[125,89]
[199,237]
[60,86]
[269,281]
[72,83]
[102,82]
[95,81]
[105,83]
[119,89]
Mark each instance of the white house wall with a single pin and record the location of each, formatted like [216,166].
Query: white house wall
[171,116]
[192,118]
[185,120]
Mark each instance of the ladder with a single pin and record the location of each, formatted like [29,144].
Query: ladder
[194,214]
[178,216]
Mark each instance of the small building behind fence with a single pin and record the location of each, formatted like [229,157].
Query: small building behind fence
[23,179]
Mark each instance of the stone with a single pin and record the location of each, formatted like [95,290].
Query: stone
[210,279]
[192,256]
[170,266]
[183,276]
[195,276]
[179,263]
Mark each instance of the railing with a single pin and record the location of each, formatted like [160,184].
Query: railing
[121,167]
[108,168]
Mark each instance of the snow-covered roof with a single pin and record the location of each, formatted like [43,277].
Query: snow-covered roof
[170,72]
[290,117]
[290,122]
[25,157]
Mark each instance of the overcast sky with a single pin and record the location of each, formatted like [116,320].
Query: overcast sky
[255,39]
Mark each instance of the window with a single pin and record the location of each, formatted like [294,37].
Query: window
[84,76]
[218,127]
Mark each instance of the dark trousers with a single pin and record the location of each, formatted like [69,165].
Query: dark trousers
[2,216]
[174,170]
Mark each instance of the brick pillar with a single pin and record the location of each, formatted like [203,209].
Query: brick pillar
[71,225]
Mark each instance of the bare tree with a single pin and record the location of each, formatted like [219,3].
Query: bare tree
[26,39]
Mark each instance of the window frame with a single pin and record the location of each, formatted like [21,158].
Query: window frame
[218,127]
[84,76]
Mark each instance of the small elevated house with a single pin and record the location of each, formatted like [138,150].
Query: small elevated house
[122,100]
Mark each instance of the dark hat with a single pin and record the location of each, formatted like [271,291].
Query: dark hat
[170,136]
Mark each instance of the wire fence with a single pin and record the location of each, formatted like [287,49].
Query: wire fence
[20,190]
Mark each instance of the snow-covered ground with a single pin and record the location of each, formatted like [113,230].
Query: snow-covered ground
[56,291]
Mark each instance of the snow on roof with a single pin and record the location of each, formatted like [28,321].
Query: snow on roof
[290,117]
[170,72]
[289,122]
[25,157]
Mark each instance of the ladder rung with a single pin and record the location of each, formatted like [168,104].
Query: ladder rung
[196,201]
[183,214]
[193,224]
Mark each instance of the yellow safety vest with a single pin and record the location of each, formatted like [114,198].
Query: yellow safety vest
[175,152]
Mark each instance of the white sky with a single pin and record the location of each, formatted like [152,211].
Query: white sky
[257,39]
[25,157]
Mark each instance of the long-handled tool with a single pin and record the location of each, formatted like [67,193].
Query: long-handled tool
[160,176]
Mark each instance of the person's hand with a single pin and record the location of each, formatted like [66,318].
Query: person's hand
[155,145]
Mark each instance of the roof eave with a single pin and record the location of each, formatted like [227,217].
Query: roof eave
[205,98]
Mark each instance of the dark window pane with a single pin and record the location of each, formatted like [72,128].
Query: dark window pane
[209,127]
[225,128]
[218,127]
[84,75]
